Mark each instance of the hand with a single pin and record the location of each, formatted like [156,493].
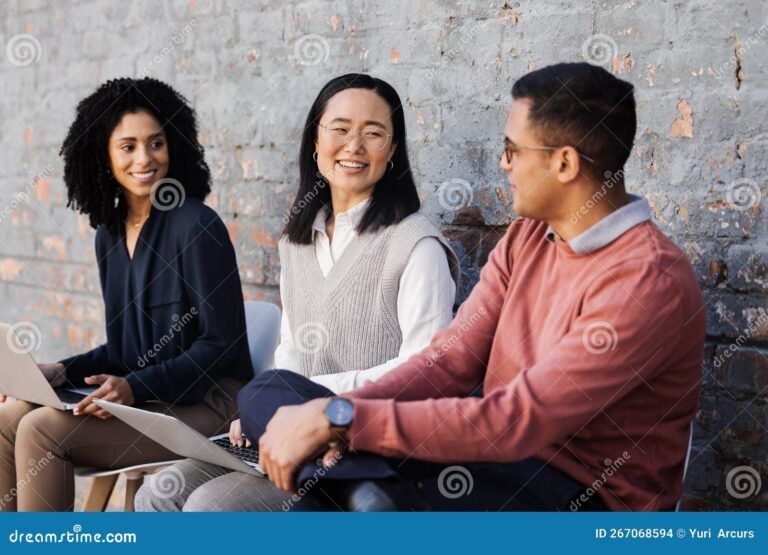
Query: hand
[2,398]
[295,434]
[112,388]
[55,373]
[236,434]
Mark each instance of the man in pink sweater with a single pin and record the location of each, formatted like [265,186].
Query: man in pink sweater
[585,331]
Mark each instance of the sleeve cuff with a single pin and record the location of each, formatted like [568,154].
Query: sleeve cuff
[141,392]
[368,430]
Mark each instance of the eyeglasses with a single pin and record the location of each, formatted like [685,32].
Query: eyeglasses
[511,148]
[374,138]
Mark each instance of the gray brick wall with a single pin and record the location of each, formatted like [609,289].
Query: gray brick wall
[253,68]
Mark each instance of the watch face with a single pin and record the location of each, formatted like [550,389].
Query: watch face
[340,412]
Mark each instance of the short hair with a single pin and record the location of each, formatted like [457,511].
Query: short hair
[582,106]
[91,187]
[395,196]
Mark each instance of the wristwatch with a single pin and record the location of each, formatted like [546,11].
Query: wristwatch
[340,412]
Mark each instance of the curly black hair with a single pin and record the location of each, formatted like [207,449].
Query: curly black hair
[91,187]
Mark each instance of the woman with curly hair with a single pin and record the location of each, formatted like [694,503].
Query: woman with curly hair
[175,321]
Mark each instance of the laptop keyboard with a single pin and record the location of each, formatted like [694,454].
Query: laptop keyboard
[69,397]
[246,454]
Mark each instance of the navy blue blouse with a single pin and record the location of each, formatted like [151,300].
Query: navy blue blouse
[174,313]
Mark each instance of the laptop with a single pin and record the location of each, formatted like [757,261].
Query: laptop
[21,378]
[176,436]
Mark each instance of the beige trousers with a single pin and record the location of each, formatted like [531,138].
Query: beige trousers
[39,446]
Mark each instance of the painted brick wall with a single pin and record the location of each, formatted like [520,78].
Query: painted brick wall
[252,69]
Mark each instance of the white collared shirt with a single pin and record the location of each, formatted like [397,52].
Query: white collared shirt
[424,302]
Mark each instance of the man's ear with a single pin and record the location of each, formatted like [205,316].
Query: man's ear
[568,164]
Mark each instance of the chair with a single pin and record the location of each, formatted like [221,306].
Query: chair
[262,321]
[685,468]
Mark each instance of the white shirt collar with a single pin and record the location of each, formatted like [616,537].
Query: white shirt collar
[610,228]
[350,218]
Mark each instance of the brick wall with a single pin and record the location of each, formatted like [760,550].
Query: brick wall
[252,69]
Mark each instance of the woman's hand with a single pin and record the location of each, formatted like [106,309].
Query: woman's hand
[236,436]
[112,388]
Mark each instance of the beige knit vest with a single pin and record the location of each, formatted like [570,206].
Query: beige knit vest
[348,320]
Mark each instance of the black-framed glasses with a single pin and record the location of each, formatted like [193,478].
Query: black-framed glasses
[511,148]
[374,138]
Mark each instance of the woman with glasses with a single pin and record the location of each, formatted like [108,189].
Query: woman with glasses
[365,282]
[175,320]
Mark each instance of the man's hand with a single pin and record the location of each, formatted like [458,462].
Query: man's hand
[55,373]
[295,435]
[113,388]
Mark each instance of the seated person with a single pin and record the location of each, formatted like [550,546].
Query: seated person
[586,332]
[366,280]
[174,313]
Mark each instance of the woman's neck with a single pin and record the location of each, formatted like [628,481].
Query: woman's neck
[137,208]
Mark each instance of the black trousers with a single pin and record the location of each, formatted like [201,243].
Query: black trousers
[527,485]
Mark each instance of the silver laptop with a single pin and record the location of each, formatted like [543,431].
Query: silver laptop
[184,440]
[20,377]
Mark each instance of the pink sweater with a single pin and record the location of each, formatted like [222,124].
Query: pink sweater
[590,362]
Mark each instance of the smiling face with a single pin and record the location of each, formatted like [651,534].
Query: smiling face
[138,153]
[354,143]
[532,174]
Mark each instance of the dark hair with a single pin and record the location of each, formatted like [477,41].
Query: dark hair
[395,196]
[91,187]
[582,106]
